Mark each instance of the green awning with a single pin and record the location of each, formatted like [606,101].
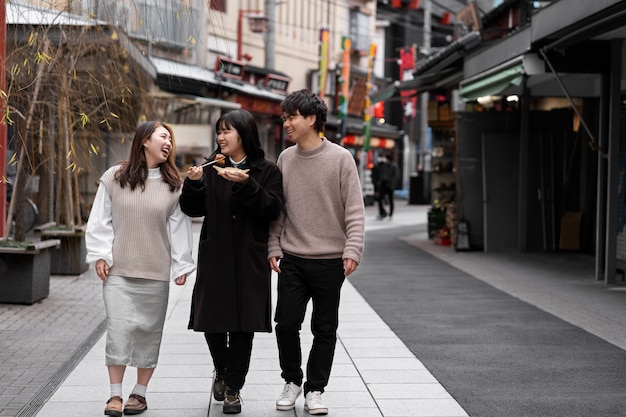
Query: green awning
[493,84]
[421,83]
[384,93]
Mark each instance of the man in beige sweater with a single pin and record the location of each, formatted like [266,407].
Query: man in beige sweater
[319,241]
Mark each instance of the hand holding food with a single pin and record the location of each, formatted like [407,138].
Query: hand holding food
[195,173]
[232,173]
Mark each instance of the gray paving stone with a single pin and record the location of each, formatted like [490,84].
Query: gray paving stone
[37,341]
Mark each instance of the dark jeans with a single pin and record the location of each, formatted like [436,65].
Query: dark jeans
[302,280]
[231,356]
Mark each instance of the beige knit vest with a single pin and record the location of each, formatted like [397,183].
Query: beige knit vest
[141,247]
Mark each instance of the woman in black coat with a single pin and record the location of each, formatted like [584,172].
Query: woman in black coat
[238,198]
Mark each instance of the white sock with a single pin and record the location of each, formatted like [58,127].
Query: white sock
[116,390]
[140,389]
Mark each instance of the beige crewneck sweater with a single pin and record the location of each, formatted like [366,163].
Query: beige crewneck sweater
[141,248]
[325,214]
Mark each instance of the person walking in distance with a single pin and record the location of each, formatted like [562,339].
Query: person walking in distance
[139,239]
[232,295]
[316,242]
[385,176]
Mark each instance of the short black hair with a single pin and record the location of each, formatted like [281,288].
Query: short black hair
[243,122]
[306,103]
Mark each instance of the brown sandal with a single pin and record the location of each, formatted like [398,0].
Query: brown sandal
[114,407]
[136,404]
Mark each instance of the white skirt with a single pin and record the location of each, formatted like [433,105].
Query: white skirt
[135,310]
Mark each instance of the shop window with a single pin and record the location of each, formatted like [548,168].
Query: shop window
[360,29]
[219,5]
[170,21]
[165,21]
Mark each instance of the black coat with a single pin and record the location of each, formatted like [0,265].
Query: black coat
[233,278]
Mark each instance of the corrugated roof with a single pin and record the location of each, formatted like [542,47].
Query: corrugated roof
[22,14]
[196,73]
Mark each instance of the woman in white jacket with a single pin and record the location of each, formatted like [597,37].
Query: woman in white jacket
[139,239]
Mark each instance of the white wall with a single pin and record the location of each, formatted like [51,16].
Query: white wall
[297,28]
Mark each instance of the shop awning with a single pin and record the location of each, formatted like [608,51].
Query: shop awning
[493,83]
[506,76]
[422,84]
[178,70]
[355,127]
[196,100]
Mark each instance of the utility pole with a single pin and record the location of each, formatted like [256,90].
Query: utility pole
[424,159]
[270,35]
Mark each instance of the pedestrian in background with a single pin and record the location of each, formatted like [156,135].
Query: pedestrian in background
[319,241]
[232,294]
[139,239]
[384,177]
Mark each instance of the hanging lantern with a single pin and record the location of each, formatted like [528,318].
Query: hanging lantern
[257,23]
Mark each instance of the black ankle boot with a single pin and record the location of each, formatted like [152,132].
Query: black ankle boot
[219,388]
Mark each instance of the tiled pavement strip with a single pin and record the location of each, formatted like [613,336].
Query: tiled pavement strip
[41,343]
[374,374]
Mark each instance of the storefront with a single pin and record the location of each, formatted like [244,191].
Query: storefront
[539,162]
[536,118]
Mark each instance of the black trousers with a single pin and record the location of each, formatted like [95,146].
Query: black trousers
[301,280]
[385,195]
[231,356]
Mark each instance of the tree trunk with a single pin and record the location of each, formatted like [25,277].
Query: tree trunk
[22,176]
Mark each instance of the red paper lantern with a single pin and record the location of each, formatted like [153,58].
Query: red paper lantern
[410,4]
[379,110]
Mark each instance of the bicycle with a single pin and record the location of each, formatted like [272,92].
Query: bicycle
[31,212]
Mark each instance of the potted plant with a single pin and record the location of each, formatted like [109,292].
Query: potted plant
[73,92]
[24,264]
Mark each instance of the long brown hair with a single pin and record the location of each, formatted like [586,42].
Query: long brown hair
[135,171]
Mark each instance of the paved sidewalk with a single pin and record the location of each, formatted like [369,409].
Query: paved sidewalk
[56,346]
[41,343]
[374,374]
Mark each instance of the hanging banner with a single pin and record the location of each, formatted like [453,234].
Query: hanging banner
[344,82]
[367,108]
[324,35]
[407,71]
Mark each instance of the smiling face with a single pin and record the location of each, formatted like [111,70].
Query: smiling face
[230,143]
[301,130]
[297,126]
[158,147]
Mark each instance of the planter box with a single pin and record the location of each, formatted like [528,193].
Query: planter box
[70,258]
[25,272]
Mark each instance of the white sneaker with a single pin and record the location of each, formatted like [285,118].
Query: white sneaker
[287,399]
[313,403]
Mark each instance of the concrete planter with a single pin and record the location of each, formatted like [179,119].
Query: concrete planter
[70,258]
[25,272]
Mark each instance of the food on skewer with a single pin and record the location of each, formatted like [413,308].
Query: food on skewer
[219,159]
